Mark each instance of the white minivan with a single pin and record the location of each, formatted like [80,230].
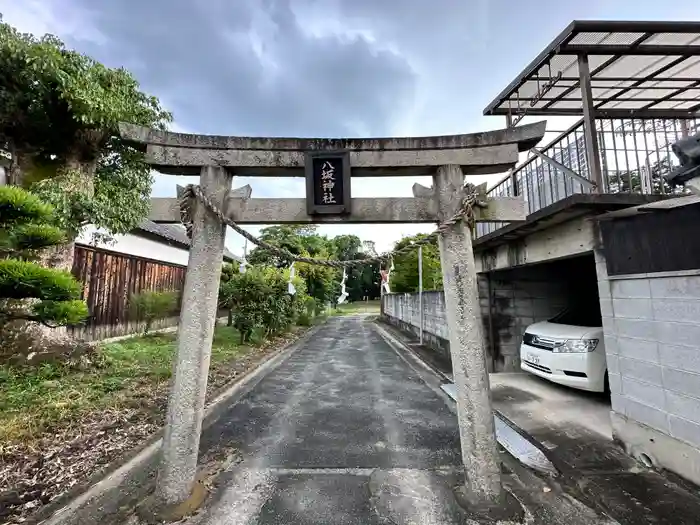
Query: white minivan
[568,349]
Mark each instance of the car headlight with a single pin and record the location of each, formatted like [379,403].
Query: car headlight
[575,346]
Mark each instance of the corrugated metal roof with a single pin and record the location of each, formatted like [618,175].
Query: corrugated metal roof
[650,68]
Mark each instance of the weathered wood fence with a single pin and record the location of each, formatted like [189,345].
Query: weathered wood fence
[109,280]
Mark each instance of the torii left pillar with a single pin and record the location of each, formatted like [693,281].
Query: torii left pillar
[176,474]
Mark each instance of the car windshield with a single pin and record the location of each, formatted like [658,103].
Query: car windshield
[581,314]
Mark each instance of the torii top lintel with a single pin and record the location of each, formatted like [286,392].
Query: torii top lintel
[477,153]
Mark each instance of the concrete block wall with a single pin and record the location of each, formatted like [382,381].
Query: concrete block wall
[518,299]
[514,300]
[406,308]
[403,311]
[652,342]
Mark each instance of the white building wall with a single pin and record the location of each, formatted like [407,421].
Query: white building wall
[131,244]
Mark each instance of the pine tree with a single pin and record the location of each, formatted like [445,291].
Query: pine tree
[29,291]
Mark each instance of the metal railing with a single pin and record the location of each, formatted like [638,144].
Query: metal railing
[634,156]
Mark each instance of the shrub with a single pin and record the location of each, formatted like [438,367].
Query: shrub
[280,309]
[227,272]
[244,294]
[310,305]
[320,308]
[18,206]
[259,298]
[29,291]
[151,305]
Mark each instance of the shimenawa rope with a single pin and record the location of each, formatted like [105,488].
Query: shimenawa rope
[193,191]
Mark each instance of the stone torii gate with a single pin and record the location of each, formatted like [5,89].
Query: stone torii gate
[328,165]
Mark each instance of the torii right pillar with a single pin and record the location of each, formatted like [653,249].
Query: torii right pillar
[483,489]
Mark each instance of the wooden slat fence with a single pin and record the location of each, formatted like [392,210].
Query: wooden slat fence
[109,280]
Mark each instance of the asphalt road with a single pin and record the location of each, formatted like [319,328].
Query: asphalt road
[346,432]
[343,432]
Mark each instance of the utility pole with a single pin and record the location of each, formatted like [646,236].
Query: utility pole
[420,291]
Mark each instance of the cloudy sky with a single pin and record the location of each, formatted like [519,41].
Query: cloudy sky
[324,68]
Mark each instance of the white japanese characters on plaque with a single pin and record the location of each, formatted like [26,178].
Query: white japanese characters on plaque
[328,182]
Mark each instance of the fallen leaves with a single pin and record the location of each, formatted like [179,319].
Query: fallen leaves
[36,473]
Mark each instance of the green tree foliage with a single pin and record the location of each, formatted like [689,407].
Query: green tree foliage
[259,298]
[347,247]
[631,181]
[296,239]
[244,295]
[404,278]
[304,241]
[150,305]
[25,228]
[228,270]
[281,309]
[59,112]
[656,134]
[363,281]
[322,283]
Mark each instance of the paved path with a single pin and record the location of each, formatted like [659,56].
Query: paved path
[574,427]
[334,436]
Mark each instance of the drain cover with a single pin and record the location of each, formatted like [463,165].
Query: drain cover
[511,440]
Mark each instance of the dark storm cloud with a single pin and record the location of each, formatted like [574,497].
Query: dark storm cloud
[249,67]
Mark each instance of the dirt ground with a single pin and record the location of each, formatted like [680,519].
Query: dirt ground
[33,472]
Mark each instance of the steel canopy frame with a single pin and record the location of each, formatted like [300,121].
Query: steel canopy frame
[636,69]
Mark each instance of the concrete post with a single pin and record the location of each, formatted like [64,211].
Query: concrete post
[476,427]
[178,466]
[684,128]
[381,293]
[589,129]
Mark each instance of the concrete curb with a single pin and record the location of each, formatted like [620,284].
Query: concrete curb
[116,494]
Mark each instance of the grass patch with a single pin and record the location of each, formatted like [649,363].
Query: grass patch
[60,423]
[37,400]
[358,307]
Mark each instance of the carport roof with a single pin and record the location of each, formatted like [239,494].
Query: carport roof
[664,205]
[637,69]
